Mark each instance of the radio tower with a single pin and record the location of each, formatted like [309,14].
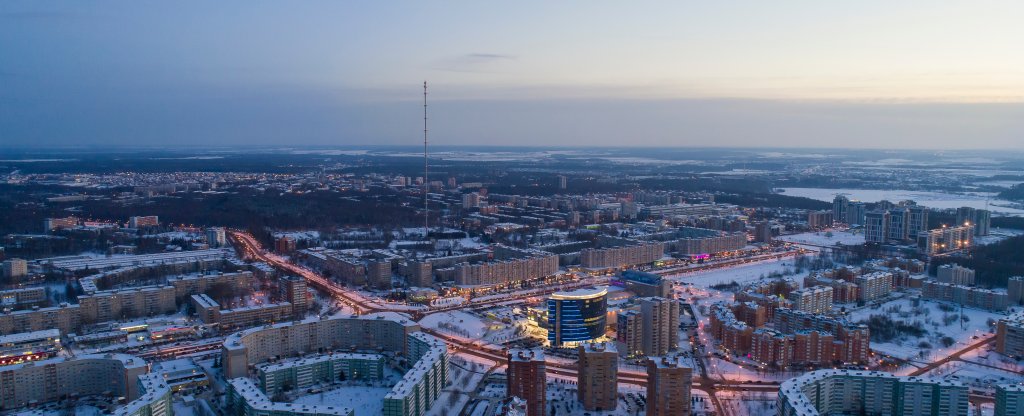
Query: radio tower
[426,169]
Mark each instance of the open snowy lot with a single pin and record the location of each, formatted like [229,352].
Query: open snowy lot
[825,238]
[741,274]
[936,323]
[364,401]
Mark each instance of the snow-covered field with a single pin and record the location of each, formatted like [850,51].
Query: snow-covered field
[929,317]
[940,200]
[740,274]
[825,238]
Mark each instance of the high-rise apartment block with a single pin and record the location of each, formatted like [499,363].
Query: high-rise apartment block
[216,237]
[981,219]
[1010,335]
[816,299]
[872,286]
[598,376]
[294,291]
[819,219]
[629,326]
[527,379]
[954,274]
[14,268]
[899,224]
[660,325]
[847,392]
[669,380]
[141,222]
[1009,400]
[1015,290]
[946,239]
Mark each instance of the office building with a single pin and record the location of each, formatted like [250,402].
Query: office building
[669,380]
[577,316]
[834,392]
[598,376]
[816,299]
[1015,290]
[954,274]
[660,329]
[14,268]
[645,284]
[527,379]
[142,222]
[216,237]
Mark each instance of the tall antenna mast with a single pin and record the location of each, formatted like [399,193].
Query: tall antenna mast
[426,168]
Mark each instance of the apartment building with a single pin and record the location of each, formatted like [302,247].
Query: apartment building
[597,380]
[527,379]
[954,274]
[669,380]
[660,329]
[815,299]
[828,392]
[1010,335]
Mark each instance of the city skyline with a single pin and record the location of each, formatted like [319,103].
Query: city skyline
[913,75]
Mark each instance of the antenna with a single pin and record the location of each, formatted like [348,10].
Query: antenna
[426,169]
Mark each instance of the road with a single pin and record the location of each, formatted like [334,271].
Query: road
[952,357]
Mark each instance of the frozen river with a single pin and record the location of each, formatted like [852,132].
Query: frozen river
[939,200]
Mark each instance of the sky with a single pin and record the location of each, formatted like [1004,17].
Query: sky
[877,74]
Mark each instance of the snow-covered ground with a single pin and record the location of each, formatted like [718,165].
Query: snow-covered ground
[825,238]
[975,375]
[363,400]
[940,200]
[929,317]
[466,372]
[741,274]
[996,235]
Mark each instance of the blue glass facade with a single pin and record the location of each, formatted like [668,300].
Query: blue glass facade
[576,319]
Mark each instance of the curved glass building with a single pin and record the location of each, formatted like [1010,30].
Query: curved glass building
[577,316]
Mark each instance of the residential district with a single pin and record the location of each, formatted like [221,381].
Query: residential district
[445,297]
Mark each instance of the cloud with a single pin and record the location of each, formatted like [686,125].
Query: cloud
[473,62]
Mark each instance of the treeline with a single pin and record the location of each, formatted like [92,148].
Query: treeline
[993,264]
[1015,193]
[772,201]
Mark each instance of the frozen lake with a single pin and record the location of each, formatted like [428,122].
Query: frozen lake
[939,200]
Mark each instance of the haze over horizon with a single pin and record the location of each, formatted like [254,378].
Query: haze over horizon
[747,74]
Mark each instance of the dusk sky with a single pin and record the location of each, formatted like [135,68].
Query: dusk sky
[906,74]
